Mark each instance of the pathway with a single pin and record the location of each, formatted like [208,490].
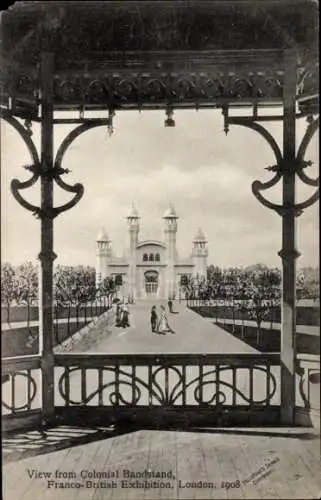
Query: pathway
[193,334]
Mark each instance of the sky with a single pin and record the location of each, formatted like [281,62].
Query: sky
[205,174]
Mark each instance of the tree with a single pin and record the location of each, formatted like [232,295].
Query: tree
[64,287]
[214,274]
[308,283]
[118,280]
[74,286]
[262,296]
[84,290]
[27,289]
[8,287]
[107,288]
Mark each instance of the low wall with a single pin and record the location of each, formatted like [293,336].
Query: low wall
[73,340]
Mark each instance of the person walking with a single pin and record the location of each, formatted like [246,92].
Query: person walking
[163,325]
[153,318]
[125,316]
[170,305]
[118,315]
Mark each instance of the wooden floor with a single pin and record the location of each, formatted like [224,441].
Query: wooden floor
[206,463]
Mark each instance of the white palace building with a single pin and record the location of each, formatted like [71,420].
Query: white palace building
[150,268]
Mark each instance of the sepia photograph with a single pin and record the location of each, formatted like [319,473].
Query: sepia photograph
[160,281]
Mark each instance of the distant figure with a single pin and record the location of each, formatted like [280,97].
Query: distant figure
[118,315]
[153,318]
[125,316]
[170,305]
[163,325]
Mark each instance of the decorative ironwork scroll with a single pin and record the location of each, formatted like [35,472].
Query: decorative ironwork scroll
[20,379]
[37,171]
[298,164]
[55,174]
[158,87]
[165,384]
[308,375]
[30,393]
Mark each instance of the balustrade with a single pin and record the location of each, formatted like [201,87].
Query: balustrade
[220,388]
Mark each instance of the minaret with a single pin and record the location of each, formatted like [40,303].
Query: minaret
[170,218]
[200,254]
[133,232]
[103,252]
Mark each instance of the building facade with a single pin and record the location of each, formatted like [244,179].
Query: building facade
[150,268]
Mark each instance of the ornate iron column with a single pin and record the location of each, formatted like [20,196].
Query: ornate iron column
[47,255]
[48,170]
[289,163]
[288,253]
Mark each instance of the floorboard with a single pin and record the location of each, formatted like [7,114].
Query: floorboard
[208,455]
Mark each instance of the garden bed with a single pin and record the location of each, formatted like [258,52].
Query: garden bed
[23,341]
[305,315]
[270,339]
[19,313]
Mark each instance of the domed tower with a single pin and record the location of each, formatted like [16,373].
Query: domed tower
[170,217]
[133,232]
[199,254]
[103,253]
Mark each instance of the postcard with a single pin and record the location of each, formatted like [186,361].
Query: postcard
[160,290]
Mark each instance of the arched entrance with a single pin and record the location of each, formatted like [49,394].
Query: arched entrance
[151,283]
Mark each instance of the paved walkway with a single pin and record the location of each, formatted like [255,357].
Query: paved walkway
[193,334]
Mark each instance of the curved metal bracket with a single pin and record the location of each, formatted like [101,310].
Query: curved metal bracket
[24,134]
[17,185]
[52,174]
[258,186]
[299,164]
[262,131]
[68,140]
[307,203]
[306,179]
[301,372]
[312,128]
[76,188]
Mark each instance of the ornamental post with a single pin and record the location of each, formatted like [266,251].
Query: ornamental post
[288,253]
[47,254]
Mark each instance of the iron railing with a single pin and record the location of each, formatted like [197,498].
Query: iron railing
[225,388]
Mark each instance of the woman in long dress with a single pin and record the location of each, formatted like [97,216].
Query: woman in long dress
[163,325]
[125,316]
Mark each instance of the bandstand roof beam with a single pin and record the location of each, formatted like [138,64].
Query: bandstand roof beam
[148,55]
